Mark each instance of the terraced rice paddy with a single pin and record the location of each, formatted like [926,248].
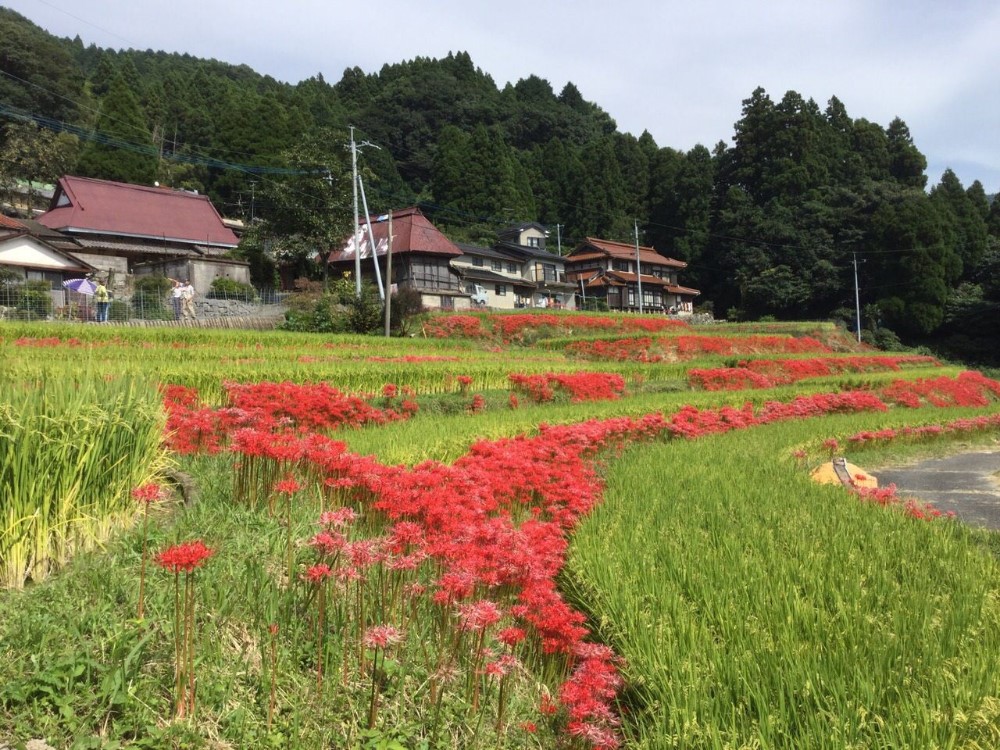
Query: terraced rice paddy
[510,531]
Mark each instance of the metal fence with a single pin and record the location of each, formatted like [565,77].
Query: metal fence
[31,301]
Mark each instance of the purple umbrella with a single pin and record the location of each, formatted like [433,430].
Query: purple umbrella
[83,286]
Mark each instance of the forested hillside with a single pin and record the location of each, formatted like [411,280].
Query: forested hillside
[771,218]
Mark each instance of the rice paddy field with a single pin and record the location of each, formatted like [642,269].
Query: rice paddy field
[508,531]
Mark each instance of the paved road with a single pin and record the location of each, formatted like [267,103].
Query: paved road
[966,483]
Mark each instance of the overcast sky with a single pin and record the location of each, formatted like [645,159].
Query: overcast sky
[677,69]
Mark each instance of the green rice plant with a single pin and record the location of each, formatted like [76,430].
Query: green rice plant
[754,607]
[71,450]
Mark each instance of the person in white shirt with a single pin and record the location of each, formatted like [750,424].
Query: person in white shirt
[187,301]
[177,297]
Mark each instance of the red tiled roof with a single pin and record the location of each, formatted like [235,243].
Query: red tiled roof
[621,250]
[84,205]
[411,233]
[8,223]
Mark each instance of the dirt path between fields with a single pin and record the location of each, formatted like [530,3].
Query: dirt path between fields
[967,484]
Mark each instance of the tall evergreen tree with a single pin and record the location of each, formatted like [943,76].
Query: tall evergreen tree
[963,218]
[906,164]
[599,201]
[122,148]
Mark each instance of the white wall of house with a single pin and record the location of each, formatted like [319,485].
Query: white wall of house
[29,253]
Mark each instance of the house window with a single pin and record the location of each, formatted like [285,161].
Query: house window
[429,274]
[501,290]
[496,265]
[447,303]
[534,242]
[621,265]
[478,262]
[511,267]
[470,288]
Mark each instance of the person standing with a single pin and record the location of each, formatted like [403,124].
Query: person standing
[187,301]
[177,298]
[103,299]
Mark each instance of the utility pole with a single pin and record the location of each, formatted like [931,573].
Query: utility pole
[638,267]
[357,241]
[388,278]
[371,238]
[559,239]
[857,297]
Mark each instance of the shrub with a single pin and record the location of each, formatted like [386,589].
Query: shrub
[226,288]
[148,300]
[34,300]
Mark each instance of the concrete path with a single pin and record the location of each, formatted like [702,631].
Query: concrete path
[966,483]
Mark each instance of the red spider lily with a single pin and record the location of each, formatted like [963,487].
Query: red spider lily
[338,518]
[970,424]
[478,404]
[479,615]
[497,520]
[452,326]
[287,486]
[317,573]
[511,636]
[767,373]
[148,493]
[268,408]
[382,636]
[620,350]
[177,559]
[413,358]
[184,557]
[581,386]
[47,342]
[502,666]
[327,543]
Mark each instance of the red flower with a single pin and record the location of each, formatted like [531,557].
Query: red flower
[382,636]
[317,573]
[479,615]
[148,493]
[287,486]
[184,557]
[511,636]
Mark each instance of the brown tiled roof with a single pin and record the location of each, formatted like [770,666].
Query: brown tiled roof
[412,232]
[8,223]
[152,247]
[84,205]
[622,251]
[646,278]
[683,290]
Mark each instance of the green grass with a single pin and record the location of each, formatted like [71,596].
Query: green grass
[754,608]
